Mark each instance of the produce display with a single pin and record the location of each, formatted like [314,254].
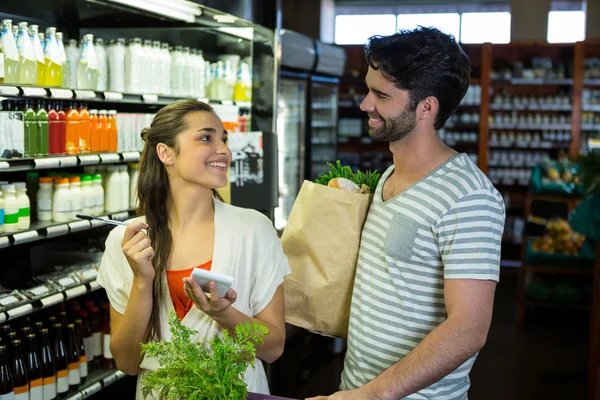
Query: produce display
[562,172]
[205,370]
[342,177]
[559,238]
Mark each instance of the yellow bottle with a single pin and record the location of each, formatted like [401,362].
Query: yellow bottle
[11,55]
[36,41]
[53,68]
[27,65]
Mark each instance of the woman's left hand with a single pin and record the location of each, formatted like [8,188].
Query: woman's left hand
[214,305]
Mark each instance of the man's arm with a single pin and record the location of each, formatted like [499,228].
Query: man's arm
[469,304]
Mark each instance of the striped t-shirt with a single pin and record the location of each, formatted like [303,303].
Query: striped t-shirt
[446,226]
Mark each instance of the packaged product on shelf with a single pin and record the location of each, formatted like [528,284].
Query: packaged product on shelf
[32,137]
[56,129]
[72,136]
[24,205]
[60,279]
[61,201]
[124,187]
[133,179]
[11,208]
[165,71]
[84,129]
[102,126]
[112,130]
[87,69]
[53,70]
[38,51]
[42,120]
[88,195]
[12,132]
[44,200]
[11,54]
[112,196]
[98,193]
[27,64]
[64,61]
[72,52]
[1,213]
[134,66]
[102,65]
[76,196]
[116,66]
[178,72]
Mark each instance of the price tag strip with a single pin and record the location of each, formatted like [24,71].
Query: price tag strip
[58,230]
[109,158]
[68,162]
[4,242]
[61,93]
[94,286]
[113,96]
[131,156]
[17,312]
[24,237]
[90,390]
[46,163]
[34,91]
[4,165]
[85,94]
[9,90]
[78,226]
[52,300]
[149,98]
[122,216]
[96,223]
[76,291]
[2,317]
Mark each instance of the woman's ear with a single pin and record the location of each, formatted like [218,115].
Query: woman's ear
[166,154]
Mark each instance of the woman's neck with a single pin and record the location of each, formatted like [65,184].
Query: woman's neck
[190,206]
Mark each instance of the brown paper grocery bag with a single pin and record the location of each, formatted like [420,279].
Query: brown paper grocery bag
[321,241]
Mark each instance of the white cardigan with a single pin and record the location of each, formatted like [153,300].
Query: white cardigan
[246,247]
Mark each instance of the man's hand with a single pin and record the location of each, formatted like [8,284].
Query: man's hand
[356,394]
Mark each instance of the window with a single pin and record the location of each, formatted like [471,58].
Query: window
[356,29]
[493,27]
[566,26]
[448,22]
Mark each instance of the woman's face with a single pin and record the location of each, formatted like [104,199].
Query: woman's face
[204,157]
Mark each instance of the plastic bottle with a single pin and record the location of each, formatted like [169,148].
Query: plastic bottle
[133,179]
[88,195]
[61,201]
[134,66]
[188,70]
[62,131]
[84,129]
[1,62]
[27,63]
[1,212]
[72,131]
[94,132]
[32,144]
[178,71]
[112,195]
[24,205]
[165,73]
[42,129]
[112,130]
[157,60]
[87,69]
[54,71]
[103,130]
[200,90]
[53,126]
[72,51]
[116,66]
[124,187]
[148,68]
[11,208]
[76,196]
[62,55]
[102,65]
[98,192]
[44,199]
[38,52]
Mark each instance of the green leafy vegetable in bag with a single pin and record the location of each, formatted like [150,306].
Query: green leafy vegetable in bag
[370,179]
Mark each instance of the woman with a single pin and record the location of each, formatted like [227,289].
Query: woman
[185,158]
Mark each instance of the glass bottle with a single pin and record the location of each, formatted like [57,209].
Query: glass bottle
[19,372]
[73,358]
[48,366]
[108,360]
[27,63]
[6,381]
[83,364]
[34,369]
[87,69]
[60,359]
[38,51]
[42,126]
[54,69]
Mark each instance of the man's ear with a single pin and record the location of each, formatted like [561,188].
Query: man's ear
[166,154]
[428,109]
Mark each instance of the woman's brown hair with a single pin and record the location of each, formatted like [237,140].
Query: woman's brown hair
[153,194]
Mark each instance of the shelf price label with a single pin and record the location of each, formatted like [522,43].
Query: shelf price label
[90,159]
[17,312]
[76,291]
[34,92]
[9,90]
[94,285]
[130,156]
[4,165]
[78,226]
[58,230]
[122,216]
[85,94]
[4,242]
[113,96]
[90,390]
[2,318]
[46,163]
[52,300]
[149,98]
[109,158]
[68,162]
[61,93]
[24,237]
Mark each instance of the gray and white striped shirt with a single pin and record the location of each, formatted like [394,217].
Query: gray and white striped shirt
[446,226]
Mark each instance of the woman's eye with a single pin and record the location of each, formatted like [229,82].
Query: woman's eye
[225,140]
[205,138]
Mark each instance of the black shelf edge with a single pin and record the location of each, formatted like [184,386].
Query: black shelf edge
[96,381]
[66,161]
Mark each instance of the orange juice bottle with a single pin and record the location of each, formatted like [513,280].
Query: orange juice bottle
[103,130]
[112,130]
[94,132]
[84,129]
[72,131]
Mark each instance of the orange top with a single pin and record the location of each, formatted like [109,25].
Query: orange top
[181,302]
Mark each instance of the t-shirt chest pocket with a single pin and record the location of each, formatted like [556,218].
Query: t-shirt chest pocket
[400,237]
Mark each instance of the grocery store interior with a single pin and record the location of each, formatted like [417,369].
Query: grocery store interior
[83,78]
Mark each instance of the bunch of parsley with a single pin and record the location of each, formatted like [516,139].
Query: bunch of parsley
[202,371]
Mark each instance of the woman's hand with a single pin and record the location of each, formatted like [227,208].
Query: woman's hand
[138,251]
[213,306]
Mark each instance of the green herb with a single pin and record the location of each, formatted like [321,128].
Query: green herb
[371,179]
[202,371]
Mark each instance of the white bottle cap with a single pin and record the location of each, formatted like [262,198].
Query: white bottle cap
[20,185]
[112,168]
[8,188]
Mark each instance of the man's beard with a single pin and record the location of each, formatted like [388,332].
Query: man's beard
[396,128]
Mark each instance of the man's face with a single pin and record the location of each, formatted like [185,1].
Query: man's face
[390,119]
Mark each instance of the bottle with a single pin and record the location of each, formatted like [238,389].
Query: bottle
[5,330]
[53,128]
[61,201]
[94,132]
[11,208]
[108,360]
[76,196]
[32,144]
[28,65]
[84,129]
[11,54]
[112,195]
[72,52]
[178,71]
[54,71]
[147,67]
[188,71]
[243,90]
[166,69]
[98,192]
[102,65]
[72,130]
[7,391]
[200,81]
[60,360]
[15,31]
[1,62]
[96,324]
[24,205]
[86,333]
[87,69]
[83,364]
[25,330]
[134,66]
[64,61]
[124,190]
[73,357]
[88,195]
[156,55]
[133,178]
[111,129]
[116,66]
[41,117]
[1,213]
[103,130]
[62,129]
[19,372]
[34,369]
[48,366]
[38,52]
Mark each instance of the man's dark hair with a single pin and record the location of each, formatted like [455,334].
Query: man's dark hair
[425,62]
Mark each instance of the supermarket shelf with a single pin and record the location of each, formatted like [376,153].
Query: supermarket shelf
[96,380]
[51,162]
[50,298]
[557,270]
[533,82]
[34,92]
[47,230]
[531,127]
[544,146]
[543,108]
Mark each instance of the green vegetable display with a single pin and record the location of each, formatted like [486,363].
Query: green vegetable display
[206,370]
[371,179]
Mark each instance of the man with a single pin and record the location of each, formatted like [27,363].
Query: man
[430,249]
